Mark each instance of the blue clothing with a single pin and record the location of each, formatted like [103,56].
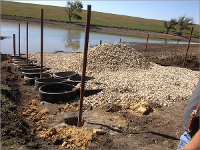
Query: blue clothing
[184,139]
[192,104]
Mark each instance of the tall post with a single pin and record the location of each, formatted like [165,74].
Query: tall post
[41,44]
[14,44]
[87,27]
[146,46]
[27,44]
[19,39]
[188,46]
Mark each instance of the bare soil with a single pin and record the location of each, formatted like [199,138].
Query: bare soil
[171,54]
[123,128]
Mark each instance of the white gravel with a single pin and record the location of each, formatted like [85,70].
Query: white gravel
[125,75]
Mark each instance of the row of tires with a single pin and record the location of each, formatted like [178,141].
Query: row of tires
[53,87]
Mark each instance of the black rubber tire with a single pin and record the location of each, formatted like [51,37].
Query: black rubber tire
[29,67]
[14,56]
[25,66]
[30,78]
[32,72]
[56,93]
[18,59]
[64,75]
[41,82]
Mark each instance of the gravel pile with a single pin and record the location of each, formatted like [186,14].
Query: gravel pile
[109,57]
[125,76]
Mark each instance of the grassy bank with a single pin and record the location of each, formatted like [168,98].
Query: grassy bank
[97,18]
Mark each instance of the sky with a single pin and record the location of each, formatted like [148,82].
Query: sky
[159,10]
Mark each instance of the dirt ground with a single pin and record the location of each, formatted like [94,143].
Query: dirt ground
[171,54]
[122,128]
[24,118]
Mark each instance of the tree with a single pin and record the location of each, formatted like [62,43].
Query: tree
[170,25]
[74,6]
[184,23]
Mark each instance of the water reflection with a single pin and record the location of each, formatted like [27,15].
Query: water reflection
[73,40]
[177,40]
[57,38]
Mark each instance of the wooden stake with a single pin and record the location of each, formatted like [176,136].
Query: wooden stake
[87,27]
[14,43]
[27,44]
[146,45]
[188,46]
[41,44]
[19,39]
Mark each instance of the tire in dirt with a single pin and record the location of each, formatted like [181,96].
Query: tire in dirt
[64,75]
[56,93]
[41,82]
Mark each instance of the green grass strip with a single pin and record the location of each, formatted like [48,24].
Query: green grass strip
[97,18]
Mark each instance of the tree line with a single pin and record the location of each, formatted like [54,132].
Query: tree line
[181,23]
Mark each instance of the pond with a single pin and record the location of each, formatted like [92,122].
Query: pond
[56,38]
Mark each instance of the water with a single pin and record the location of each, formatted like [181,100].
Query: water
[56,38]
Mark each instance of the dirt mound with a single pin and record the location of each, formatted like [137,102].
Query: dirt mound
[109,56]
[69,137]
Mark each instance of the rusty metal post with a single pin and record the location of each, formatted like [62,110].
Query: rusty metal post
[14,43]
[146,45]
[19,39]
[188,46]
[41,44]
[87,27]
[27,43]
[100,42]
[120,40]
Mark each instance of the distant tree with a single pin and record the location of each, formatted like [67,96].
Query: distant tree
[184,23]
[74,6]
[170,24]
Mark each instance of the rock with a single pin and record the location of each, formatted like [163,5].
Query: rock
[39,128]
[64,144]
[98,131]
[141,108]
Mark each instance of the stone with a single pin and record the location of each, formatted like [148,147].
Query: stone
[98,131]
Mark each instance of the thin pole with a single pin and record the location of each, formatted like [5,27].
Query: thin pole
[87,27]
[120,40]
[188,46]
[19,39]
[100,42]
[14,43]
[27,43]
[146,46]
[41,43]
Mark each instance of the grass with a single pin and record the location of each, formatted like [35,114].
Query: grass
[6,101]
[97,18]
[18,120]
[4,87]
[2,141]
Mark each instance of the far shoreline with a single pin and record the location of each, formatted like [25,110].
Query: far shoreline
[109,30]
